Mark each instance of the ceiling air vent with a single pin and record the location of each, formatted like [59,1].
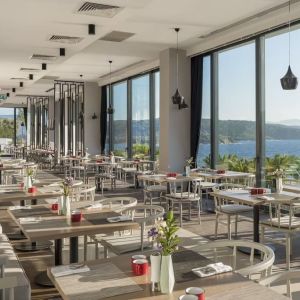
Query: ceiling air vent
[65,39]
[19,78]
[29,69]
[116,36]
[43,57]
[100,10]
[48,77]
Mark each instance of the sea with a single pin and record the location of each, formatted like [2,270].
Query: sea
[246,149]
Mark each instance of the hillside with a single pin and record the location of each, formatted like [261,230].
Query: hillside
[234,130]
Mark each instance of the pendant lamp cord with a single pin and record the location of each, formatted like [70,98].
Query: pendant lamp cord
[110,62]
[177,81]
[289,32]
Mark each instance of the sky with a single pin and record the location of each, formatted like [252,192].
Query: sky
[237,81]
[6,111]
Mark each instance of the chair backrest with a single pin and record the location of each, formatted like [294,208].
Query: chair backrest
[144,214]
[282,276]
[216,250]
[185,188]
[84,192]
[118,203]
[281,212]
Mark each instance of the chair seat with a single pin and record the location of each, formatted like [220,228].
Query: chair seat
[129,170]
[125,244]
[234,208]
[184,196]
[156,188]
[284,222]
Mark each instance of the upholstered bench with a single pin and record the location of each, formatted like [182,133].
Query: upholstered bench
[13,269]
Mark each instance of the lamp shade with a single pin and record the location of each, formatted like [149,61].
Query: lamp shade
[110,110]
[289,81]
[177,98]
[183,105]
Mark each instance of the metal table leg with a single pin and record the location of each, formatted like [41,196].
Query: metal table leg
[73,249]
[42,278]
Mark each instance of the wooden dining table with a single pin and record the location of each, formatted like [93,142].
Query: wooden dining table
[244,197]
[50,226]
[113,279]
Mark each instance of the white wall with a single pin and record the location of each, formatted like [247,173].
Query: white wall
[174,123]
[92,127]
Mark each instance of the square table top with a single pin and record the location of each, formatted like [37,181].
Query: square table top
[18,195]
[244,196]
[92,284]
[50,226]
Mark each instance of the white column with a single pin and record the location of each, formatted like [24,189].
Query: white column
[92,126]
[174,123]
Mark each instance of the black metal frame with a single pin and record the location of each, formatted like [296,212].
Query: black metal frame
[152,142]
[259,41]
[70,125]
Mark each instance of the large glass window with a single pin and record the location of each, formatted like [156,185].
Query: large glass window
[21,128]
[236,115]
[141,116]
[6,127]
[282,106]
[204,149]
[157,112]
[119,99]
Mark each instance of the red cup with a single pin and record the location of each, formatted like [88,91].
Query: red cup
[140,267]
[257,191]
[135,257]
[54,206]
[196,291]
[220,171]
[32,189]
[76,216]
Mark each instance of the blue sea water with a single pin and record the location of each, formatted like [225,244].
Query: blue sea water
[246,149]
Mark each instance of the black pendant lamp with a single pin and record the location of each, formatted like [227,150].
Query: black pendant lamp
[177,98]
[289,81]
[110,109]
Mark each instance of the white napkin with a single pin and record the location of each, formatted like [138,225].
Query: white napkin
[95,205]
[212,269]
[16,207]
[69,270]
[263,197]
[119,219]
[29,220]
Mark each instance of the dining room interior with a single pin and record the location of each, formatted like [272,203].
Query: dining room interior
[149,149]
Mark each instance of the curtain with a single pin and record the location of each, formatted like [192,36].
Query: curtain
[25,116]
[103,117]
[196,103]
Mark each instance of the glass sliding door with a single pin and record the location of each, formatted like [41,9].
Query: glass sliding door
[119,100]
[141,117]
[236,103]
[282,106]
[204,148]
[157,112]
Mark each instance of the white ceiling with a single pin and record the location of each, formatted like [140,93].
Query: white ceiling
[27,25]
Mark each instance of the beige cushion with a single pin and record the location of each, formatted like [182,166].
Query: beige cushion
[156,188]
[234,208]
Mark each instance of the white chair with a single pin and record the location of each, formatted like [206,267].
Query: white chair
[116,204]
[154,192]
[226,251]
[7,284]
[144,215]
[185,196]
[282,220]
[228,209]
[286,276]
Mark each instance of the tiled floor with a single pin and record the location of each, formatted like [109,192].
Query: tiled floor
[35,262]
